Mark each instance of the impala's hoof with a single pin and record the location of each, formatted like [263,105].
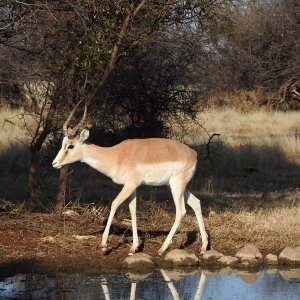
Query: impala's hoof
[160,252]
[204,250]
[134,249]
[104,250]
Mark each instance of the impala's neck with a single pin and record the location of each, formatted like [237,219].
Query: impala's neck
[99,158]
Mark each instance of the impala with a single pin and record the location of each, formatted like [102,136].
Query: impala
[133,162]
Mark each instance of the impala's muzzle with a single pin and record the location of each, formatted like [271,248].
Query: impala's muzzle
[56,165]
[56,162]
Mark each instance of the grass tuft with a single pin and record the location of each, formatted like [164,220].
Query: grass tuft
[12,209]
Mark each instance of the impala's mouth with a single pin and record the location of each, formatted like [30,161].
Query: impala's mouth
[56,165]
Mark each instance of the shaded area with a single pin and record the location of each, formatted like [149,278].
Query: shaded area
[250,168]
[191,236]
[246,170]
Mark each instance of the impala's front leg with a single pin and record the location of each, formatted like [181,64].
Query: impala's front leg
[127,190]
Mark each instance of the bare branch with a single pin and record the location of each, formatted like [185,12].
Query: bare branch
[114,55]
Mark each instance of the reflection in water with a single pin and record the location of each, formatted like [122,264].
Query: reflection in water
[170,285]
[162,284]
[105,289]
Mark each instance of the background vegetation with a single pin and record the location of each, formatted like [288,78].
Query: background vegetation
[180,69]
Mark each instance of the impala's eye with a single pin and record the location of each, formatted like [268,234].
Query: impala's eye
[70,147]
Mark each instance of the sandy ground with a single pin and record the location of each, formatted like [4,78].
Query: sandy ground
[41,242]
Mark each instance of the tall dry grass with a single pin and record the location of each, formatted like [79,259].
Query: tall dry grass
[257,127]
[11,127]
[14,153]
[238,128]
[259,131]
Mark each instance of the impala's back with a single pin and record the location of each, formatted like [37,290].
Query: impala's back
[150,161]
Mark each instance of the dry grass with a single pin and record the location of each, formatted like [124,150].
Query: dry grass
[11,126]
[14,154]
[238,128]
[269,138]
[270,231]
[16,127]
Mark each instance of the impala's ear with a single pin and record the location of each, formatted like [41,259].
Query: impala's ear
[84,134]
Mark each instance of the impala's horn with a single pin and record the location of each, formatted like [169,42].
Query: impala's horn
[80,125]
[73,131]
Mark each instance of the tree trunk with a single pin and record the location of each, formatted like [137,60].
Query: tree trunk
[35,147]
[30,205]
[62,187]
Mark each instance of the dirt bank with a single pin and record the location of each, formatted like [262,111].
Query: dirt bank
[58,243]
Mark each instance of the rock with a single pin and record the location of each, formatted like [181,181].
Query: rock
[228,260]
[297,248]
[180,257]
[211,255]
[271,259]
[249,252]
[289,255]
[138,261]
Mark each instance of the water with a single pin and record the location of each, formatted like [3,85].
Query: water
[161,284]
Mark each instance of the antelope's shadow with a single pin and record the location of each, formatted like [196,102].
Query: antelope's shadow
[191,236]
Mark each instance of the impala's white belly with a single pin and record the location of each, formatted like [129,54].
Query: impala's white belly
[149,174]
[156,174]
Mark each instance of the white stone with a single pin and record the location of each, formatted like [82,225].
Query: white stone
[249,252]
[211,255]
[138,261]
[181,258]
[271,259]
[289,255]
[228,260]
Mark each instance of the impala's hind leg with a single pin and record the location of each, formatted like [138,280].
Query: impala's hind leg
[132,209]
[195,204]
[177,187]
